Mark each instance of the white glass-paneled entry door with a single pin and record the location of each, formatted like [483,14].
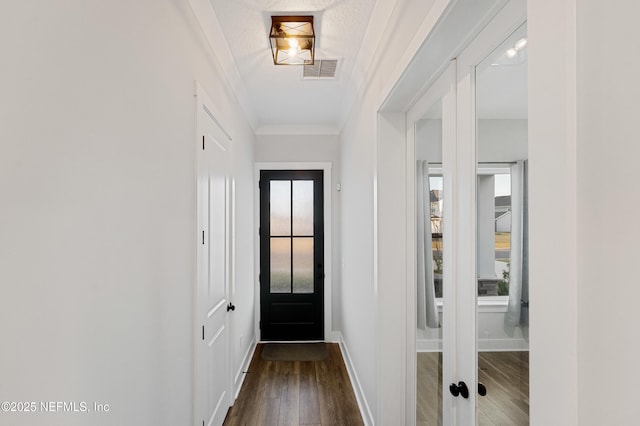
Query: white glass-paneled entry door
[468,138]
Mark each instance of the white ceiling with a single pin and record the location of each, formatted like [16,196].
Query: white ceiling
[276,98]
[277,95]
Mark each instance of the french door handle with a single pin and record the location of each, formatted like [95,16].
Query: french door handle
[459,389]
[231,307]
[482,390]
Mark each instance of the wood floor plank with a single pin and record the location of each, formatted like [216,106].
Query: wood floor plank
[309,400]
[269,412]
[290,400]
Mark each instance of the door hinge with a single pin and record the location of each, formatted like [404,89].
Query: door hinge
[202,237]
[203,332]
[203,142]
[259,278]
[260,230]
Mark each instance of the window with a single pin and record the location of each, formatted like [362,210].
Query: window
[436,202]
[494,229]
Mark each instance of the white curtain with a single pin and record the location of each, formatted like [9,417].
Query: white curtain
[426,297]
[518,309]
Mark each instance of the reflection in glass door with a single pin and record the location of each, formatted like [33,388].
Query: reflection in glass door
[429,226]
[502,234]
[433,137]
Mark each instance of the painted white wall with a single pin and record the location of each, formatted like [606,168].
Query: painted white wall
[97,210]
[356,219]
[583,109]
[371,325]
[607,165]
[553,295]
[312,148]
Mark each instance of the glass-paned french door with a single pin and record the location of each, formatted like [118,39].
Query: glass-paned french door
[469,138]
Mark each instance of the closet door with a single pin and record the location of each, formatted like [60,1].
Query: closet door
[469,357]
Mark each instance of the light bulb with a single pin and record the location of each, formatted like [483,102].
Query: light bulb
[511,53]
[293,43]
[520,44]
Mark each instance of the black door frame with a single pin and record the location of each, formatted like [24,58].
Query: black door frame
[309,322]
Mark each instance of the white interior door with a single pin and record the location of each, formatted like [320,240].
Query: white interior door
[212,375]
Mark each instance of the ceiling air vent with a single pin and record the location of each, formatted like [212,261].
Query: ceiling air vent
[322,68]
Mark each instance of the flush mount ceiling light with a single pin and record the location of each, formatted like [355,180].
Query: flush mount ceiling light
[292,40]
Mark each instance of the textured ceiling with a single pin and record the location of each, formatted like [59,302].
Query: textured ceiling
[278,95]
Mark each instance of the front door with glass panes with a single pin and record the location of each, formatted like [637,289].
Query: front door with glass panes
[291,255]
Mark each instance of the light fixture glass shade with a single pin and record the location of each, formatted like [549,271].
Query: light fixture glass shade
[292,40]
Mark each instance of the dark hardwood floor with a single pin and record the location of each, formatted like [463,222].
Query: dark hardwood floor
[505,375]
[296,393]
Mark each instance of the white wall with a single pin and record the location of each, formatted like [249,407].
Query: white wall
[608,201]
[583,151]
[358,292]
[553,388]
[312,148]
[371,325]
[97,209]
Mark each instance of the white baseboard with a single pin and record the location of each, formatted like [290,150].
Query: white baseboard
[502,345]
[244,366]
[425,345]
[484,345]
[365,411]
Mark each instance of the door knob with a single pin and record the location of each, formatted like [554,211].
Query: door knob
[231,307]
[459,389]
[482,390]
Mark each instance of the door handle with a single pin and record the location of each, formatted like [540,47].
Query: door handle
[482,390]
[231,307]
[459,389]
